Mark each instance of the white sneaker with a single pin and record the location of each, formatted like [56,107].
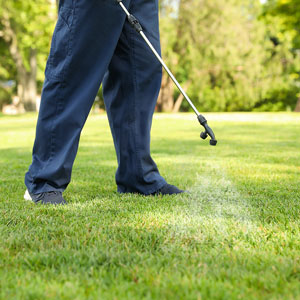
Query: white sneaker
[27,196]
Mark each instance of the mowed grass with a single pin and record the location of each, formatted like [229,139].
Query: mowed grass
[236,235]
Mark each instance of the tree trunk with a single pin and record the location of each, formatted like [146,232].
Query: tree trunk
[178,103]
[27,89]
[180,99]
[165,101]
[297,109]
[30,86]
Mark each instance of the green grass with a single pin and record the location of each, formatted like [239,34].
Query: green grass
[235,236]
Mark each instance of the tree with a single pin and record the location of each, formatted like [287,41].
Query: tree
[25,30]
[223,51]
[287,15]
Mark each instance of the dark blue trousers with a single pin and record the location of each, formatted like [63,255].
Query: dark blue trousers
[93,43]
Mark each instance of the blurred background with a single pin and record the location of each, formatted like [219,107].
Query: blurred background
[230,55]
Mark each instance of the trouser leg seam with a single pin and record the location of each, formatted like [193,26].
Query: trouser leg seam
[52,139]
[58,104]
[133,54]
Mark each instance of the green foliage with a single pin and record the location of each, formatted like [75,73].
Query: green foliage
[288,13]
[24,26]
[227,54]
[230,55]
[5,96]
[278,100]
[32,22]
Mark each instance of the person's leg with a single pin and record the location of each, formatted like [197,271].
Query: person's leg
[130,89]
[84,41]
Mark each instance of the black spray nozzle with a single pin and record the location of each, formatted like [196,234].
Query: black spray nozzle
[208,131]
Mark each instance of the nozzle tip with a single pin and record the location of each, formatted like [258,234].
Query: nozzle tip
[203,135]
[213,142]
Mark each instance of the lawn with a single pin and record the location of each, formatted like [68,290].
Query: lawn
[236,235]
